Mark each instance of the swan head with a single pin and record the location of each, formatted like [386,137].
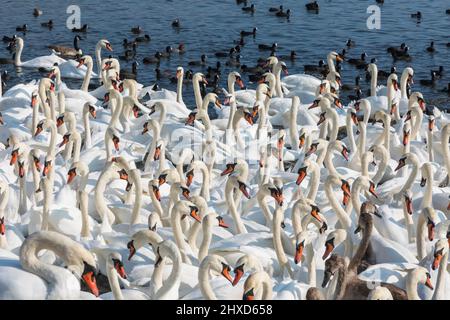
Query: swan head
[140,239]
[105,44]
[332,265]
[245,264]
[180,73]
[335,56]
[79,168]
[440,250]
[334,239]
[114,261]
[302,239]
[276,192]
[420,275]
[393,81]
[89,108]
[84,60]
[427,172]
[430,216]
[218,266]
[270,61]
[417,97]
[408,73]
[154,221]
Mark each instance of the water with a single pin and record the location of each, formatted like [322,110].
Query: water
[210,26]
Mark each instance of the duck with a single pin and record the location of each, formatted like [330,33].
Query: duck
[431,48]
[152,60]
[274,9]
[429,82]
[144,38]
[283,14]
[359,63]
[417,15]
[137,30]
[23,28]
[37,12]
[180,49]
[224,54]
[68,52]
[48,24]
[292,56]
[167,52]
[439,73]
[250,8]
[265,47]
[202,61]
[321,68]
[402,55]
[132,74]
[397,50]
[244,33]
[84,28]
[312,6]
[350,43]
[176,23]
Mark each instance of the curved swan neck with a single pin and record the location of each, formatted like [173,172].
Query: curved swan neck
[439,293]
[203,279]
[87,76]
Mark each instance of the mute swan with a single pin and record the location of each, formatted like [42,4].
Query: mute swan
[39,62]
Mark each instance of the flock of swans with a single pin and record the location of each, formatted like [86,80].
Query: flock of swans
[288,194]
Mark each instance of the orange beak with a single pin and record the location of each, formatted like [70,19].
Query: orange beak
[422,104]
[436,261]
[393,108]
[14,156]
[408,204]
[189,179]
[80,63]
[116,144]
[70,176]
[21,170]
[194,214]
[157,193]
[121,270]
[429,284]
[2,226]
[431,125]
[136,112]
[298,253]
[431,231]
[301,177]
[226,273]
[229,170]
[37,164]
[405,138]
[38,130]
[238,275]
[157,153]
[315,214]
[301,141]
[46,169]
[328,249]
[91,282]
[33,101]
[223,224]
[240,83]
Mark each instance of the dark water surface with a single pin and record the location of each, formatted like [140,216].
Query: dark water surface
[209,26]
